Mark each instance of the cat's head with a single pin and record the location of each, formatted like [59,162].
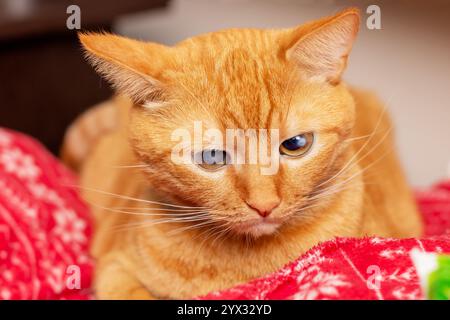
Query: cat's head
[286,81]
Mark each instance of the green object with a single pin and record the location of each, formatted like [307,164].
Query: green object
[439,279]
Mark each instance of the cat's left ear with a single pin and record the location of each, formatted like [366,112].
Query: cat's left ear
[320,49]
[132,67]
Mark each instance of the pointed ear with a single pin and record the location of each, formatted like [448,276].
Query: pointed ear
[320,49]
[132,67]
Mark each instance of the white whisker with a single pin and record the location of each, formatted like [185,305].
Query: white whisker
[133,199]
[137,213]
[131,166]
[354,157]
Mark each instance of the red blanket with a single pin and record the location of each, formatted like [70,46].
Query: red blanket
[45,230]
[44,226]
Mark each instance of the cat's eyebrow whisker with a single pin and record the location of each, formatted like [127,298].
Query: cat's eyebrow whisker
[335,190]
[358,138]
[355,156]
[132,198]
[304,209]
[384,137]
[374,148]
[330,193]
[349,179]
[350,165]
[321,195]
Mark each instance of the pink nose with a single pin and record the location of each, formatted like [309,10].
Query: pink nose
[264,207]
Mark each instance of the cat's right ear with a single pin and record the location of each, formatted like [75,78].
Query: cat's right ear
[132,67]
[320,49]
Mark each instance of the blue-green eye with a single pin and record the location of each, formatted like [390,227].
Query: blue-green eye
[212,159]
[297,145]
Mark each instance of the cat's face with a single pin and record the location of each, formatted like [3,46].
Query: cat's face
[190,95]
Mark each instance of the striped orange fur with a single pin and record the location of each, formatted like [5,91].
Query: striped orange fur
[165,230]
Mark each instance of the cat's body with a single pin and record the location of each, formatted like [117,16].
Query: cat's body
[353,188]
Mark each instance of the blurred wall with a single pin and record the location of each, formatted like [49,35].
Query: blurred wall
[407,62]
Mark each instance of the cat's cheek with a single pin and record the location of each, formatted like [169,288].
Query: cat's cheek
[210,175]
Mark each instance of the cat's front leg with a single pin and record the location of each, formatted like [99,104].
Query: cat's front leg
[114,282]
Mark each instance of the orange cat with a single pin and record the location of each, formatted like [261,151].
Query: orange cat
[177,230]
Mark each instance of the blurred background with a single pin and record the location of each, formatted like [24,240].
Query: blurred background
[45,84]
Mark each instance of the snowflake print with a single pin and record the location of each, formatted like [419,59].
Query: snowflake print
[22,165]
[26,208]
[392,253]
[41,231]
[313,282]
[69,226]
[54,275]
[405,276]
[41,191]
[403,294]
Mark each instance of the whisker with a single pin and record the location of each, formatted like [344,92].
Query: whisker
[153,222]
[358,138]
[361,171]
[354,157]
[130,166]
[220,235]
[348,166]
[195,226]
[156,209]
[335,190]
[132,198]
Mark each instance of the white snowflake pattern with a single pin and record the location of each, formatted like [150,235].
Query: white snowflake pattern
[41,191]
[313,282]
[402,294]
[24,205]
[54,275]
[405,276]
[392,253]
[69,226]
[16,162]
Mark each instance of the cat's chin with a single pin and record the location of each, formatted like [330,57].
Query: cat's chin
[258,227]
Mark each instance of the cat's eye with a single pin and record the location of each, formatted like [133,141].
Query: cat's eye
[298,145]
[212,159]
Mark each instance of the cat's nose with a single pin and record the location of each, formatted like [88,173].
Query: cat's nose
[264,207]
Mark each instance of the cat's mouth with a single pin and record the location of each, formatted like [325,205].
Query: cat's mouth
[258,227]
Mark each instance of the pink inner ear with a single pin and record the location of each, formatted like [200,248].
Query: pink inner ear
[322,54]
